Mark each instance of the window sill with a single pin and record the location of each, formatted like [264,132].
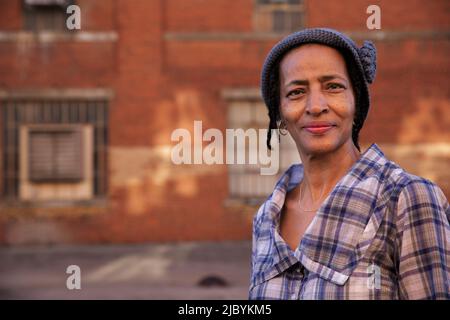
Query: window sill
[66,208]
[96,202]
[223,36]
[378,35]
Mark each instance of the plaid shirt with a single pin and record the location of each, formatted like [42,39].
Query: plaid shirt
[382,233]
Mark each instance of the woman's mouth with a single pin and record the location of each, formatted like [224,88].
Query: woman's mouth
[318,128]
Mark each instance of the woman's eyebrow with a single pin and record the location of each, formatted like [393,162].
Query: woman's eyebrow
[297,83]
[324,78]
[331,77]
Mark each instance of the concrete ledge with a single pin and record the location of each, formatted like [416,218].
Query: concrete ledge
[51,93]
[16,209]
[381,35]
[51,36]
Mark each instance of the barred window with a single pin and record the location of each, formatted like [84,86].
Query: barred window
[246,110]
[278,16]
[45,15]
[54,149]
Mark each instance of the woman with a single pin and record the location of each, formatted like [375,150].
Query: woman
[343,224]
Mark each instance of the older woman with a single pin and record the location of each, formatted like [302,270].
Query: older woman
[343,224]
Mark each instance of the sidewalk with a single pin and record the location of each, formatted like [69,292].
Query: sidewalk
[146,271]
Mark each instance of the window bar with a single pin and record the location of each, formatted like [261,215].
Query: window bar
[78,105]
[64,112]
[101,146]
[96,161]
[91,112]
[57,110]
[51,112]
[82,112]
[72,111]
[41,112]
[8,148]
[5,147]
[15,157]
[105,144]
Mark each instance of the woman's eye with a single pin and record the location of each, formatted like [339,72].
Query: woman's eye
[295,93]
[335,86]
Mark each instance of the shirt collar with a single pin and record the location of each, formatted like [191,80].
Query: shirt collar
[373,156]
[314,252]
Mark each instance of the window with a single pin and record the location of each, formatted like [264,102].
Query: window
[45,15]
[246,183]
[54,149]
[55,154]
[278,16]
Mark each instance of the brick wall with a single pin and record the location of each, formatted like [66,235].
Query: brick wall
[167,63]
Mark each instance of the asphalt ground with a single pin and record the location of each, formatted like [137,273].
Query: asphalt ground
[188,270]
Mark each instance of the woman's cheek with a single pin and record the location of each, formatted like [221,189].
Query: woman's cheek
[291,112]
[344,108]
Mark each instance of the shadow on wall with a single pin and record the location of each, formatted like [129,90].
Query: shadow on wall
[423,146]
[146,173]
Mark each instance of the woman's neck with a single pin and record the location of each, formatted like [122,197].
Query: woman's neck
[323,171]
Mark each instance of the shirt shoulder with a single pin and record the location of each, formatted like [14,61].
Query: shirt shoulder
[397,182]
[415,187]
[418,194]
[413,197]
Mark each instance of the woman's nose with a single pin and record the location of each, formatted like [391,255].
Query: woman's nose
[316,103]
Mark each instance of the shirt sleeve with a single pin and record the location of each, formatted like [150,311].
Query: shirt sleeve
[253,258]
[255,232]
[424,235]
[253,249]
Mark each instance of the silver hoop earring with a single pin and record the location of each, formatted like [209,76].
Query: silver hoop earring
[282,128]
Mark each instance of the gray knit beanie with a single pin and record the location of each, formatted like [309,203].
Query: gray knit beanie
[361,66]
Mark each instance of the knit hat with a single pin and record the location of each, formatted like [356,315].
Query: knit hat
[361,66]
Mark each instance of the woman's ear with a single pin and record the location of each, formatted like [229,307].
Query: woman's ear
[282,127]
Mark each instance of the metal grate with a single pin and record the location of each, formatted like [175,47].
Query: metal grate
[17,112]
[55,154]
[279,16]
[45,15]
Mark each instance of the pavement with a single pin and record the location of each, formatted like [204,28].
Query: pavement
[188,270]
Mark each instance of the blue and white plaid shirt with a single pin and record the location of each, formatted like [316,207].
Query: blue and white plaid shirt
[382,233]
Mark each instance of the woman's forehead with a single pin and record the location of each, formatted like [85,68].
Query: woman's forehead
[312,60]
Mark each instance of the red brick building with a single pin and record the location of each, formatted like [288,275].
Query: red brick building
[87,115]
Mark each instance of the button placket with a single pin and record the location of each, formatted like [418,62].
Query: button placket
[297,283]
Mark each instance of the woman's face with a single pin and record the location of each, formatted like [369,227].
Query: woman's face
[316,98]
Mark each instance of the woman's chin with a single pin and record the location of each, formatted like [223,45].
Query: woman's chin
[322,146]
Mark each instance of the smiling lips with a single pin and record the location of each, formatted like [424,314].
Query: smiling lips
[319,127]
